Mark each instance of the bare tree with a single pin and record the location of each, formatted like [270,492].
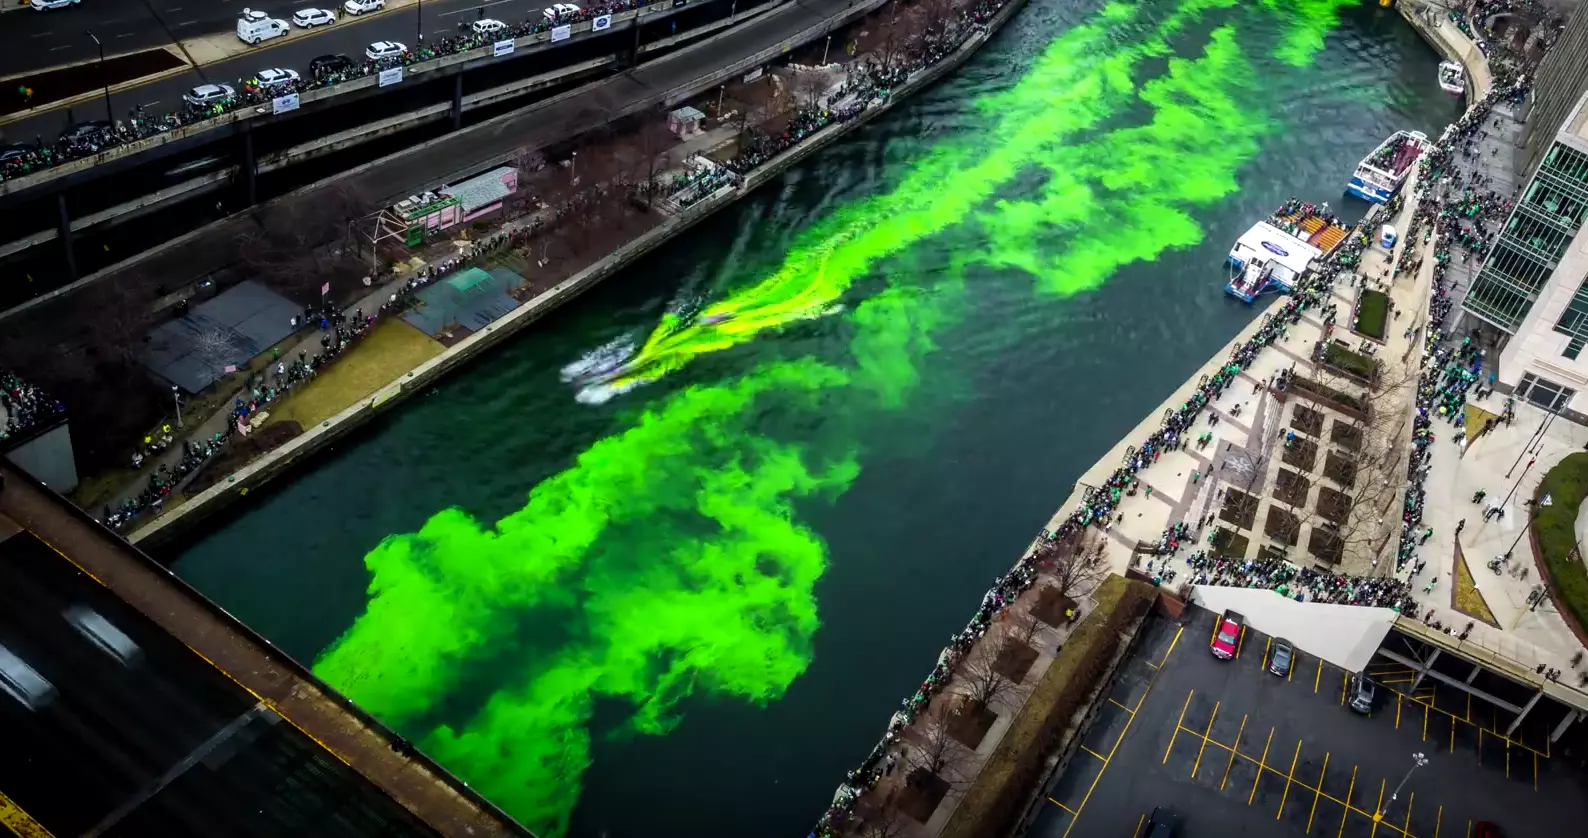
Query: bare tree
[983,683]
[935,751]
[1073,563]
[883,821]
[1022,626]
[808,88]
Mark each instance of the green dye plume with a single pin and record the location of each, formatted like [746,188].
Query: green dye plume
[668,560]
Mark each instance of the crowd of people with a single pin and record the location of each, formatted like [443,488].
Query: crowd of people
[686,190]
[1455,211]
[1454,206]
[89,139]
[26,406]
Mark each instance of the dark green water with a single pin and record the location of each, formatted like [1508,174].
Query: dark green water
[729,575]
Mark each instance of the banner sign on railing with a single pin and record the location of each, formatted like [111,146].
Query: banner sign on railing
[602,22]
[753,75]
[390,77]
[502,48]
[561,33]
[679,4]
[283,104]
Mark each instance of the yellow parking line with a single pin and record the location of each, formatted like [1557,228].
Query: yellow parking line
[1061,805]
[1425,721]
[1268,646]
[1240,642]
[1397,711]
[1317,678]
[1290,777]
[1141,819]
[1535,771]
[1177,725]
[1261,764]
[14,819]
[1345,683]
[1346,810]
[1111,751]
[1452,734]
[1094,753]
[1378,808]
[1121,706]
[1317,793]
[1439,819]
[1232,754]
[1198,763]
[1410,799]
[1290,674]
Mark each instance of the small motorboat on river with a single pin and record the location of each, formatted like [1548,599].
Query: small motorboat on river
[1452,78]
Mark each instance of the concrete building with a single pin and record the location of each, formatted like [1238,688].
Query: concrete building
[1531,285]
[1561,80]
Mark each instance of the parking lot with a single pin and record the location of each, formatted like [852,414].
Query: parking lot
[1234,750]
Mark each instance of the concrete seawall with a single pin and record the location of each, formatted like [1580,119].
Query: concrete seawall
[277,463]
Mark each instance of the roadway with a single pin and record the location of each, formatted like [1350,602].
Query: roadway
[34,40]
[348,36]
[667,80]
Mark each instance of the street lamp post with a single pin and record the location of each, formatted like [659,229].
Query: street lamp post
[419,24]
[177,398]
[825,49]
[104,81]
[1418,761]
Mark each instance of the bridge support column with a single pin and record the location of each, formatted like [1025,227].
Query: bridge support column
[457,101]
[250,168]
[64,233]
[1565,723]
[1517,722]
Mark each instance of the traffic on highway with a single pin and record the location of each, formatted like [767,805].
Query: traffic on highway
[345,49]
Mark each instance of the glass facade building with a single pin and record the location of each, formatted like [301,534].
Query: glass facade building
[1531,245]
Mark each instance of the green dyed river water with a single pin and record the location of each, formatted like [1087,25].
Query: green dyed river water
[769,470]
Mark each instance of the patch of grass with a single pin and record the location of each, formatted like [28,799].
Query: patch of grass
[1230,543]
[1372,313]
[1469,600]
[1354,363]
[1477,420]
[393,348]
[1555,527]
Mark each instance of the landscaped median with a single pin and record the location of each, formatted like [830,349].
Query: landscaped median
[1052,719]
[1555,536]
[1372,313]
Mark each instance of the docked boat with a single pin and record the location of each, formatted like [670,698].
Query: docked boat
[1383,171]
[1274,254]
[1452,78]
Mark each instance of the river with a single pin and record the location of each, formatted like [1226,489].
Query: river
[773,466]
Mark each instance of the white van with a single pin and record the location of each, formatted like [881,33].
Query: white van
[101,633]
[254,27]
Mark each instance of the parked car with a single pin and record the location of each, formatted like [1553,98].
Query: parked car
[384,49]
[255,26]
[358,7]
[1486,829]
[209,94]
[1360,694]
[310,18]
[1162,823]
[1281,656]
[84,131]
[487,26]
[1227,635]
[559,12]
[326,65]
[41,5]
[275,77]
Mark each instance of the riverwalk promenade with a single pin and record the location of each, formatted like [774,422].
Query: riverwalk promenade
[180,517]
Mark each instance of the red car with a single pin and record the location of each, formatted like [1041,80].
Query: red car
[1484,829]
[1227,635]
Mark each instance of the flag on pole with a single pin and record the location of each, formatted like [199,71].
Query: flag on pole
[325,289]
[231,368]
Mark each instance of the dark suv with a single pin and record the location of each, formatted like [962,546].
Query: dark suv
[328,65]
[1162,823]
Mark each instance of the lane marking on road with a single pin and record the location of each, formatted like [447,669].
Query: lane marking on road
[1198,764]
[186,23]
[1290,777]
[61,47]
[473,9]
[45,34]
[1178,725]
[1231,763]
[1111,751]
[1262,762]
[1317,792]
